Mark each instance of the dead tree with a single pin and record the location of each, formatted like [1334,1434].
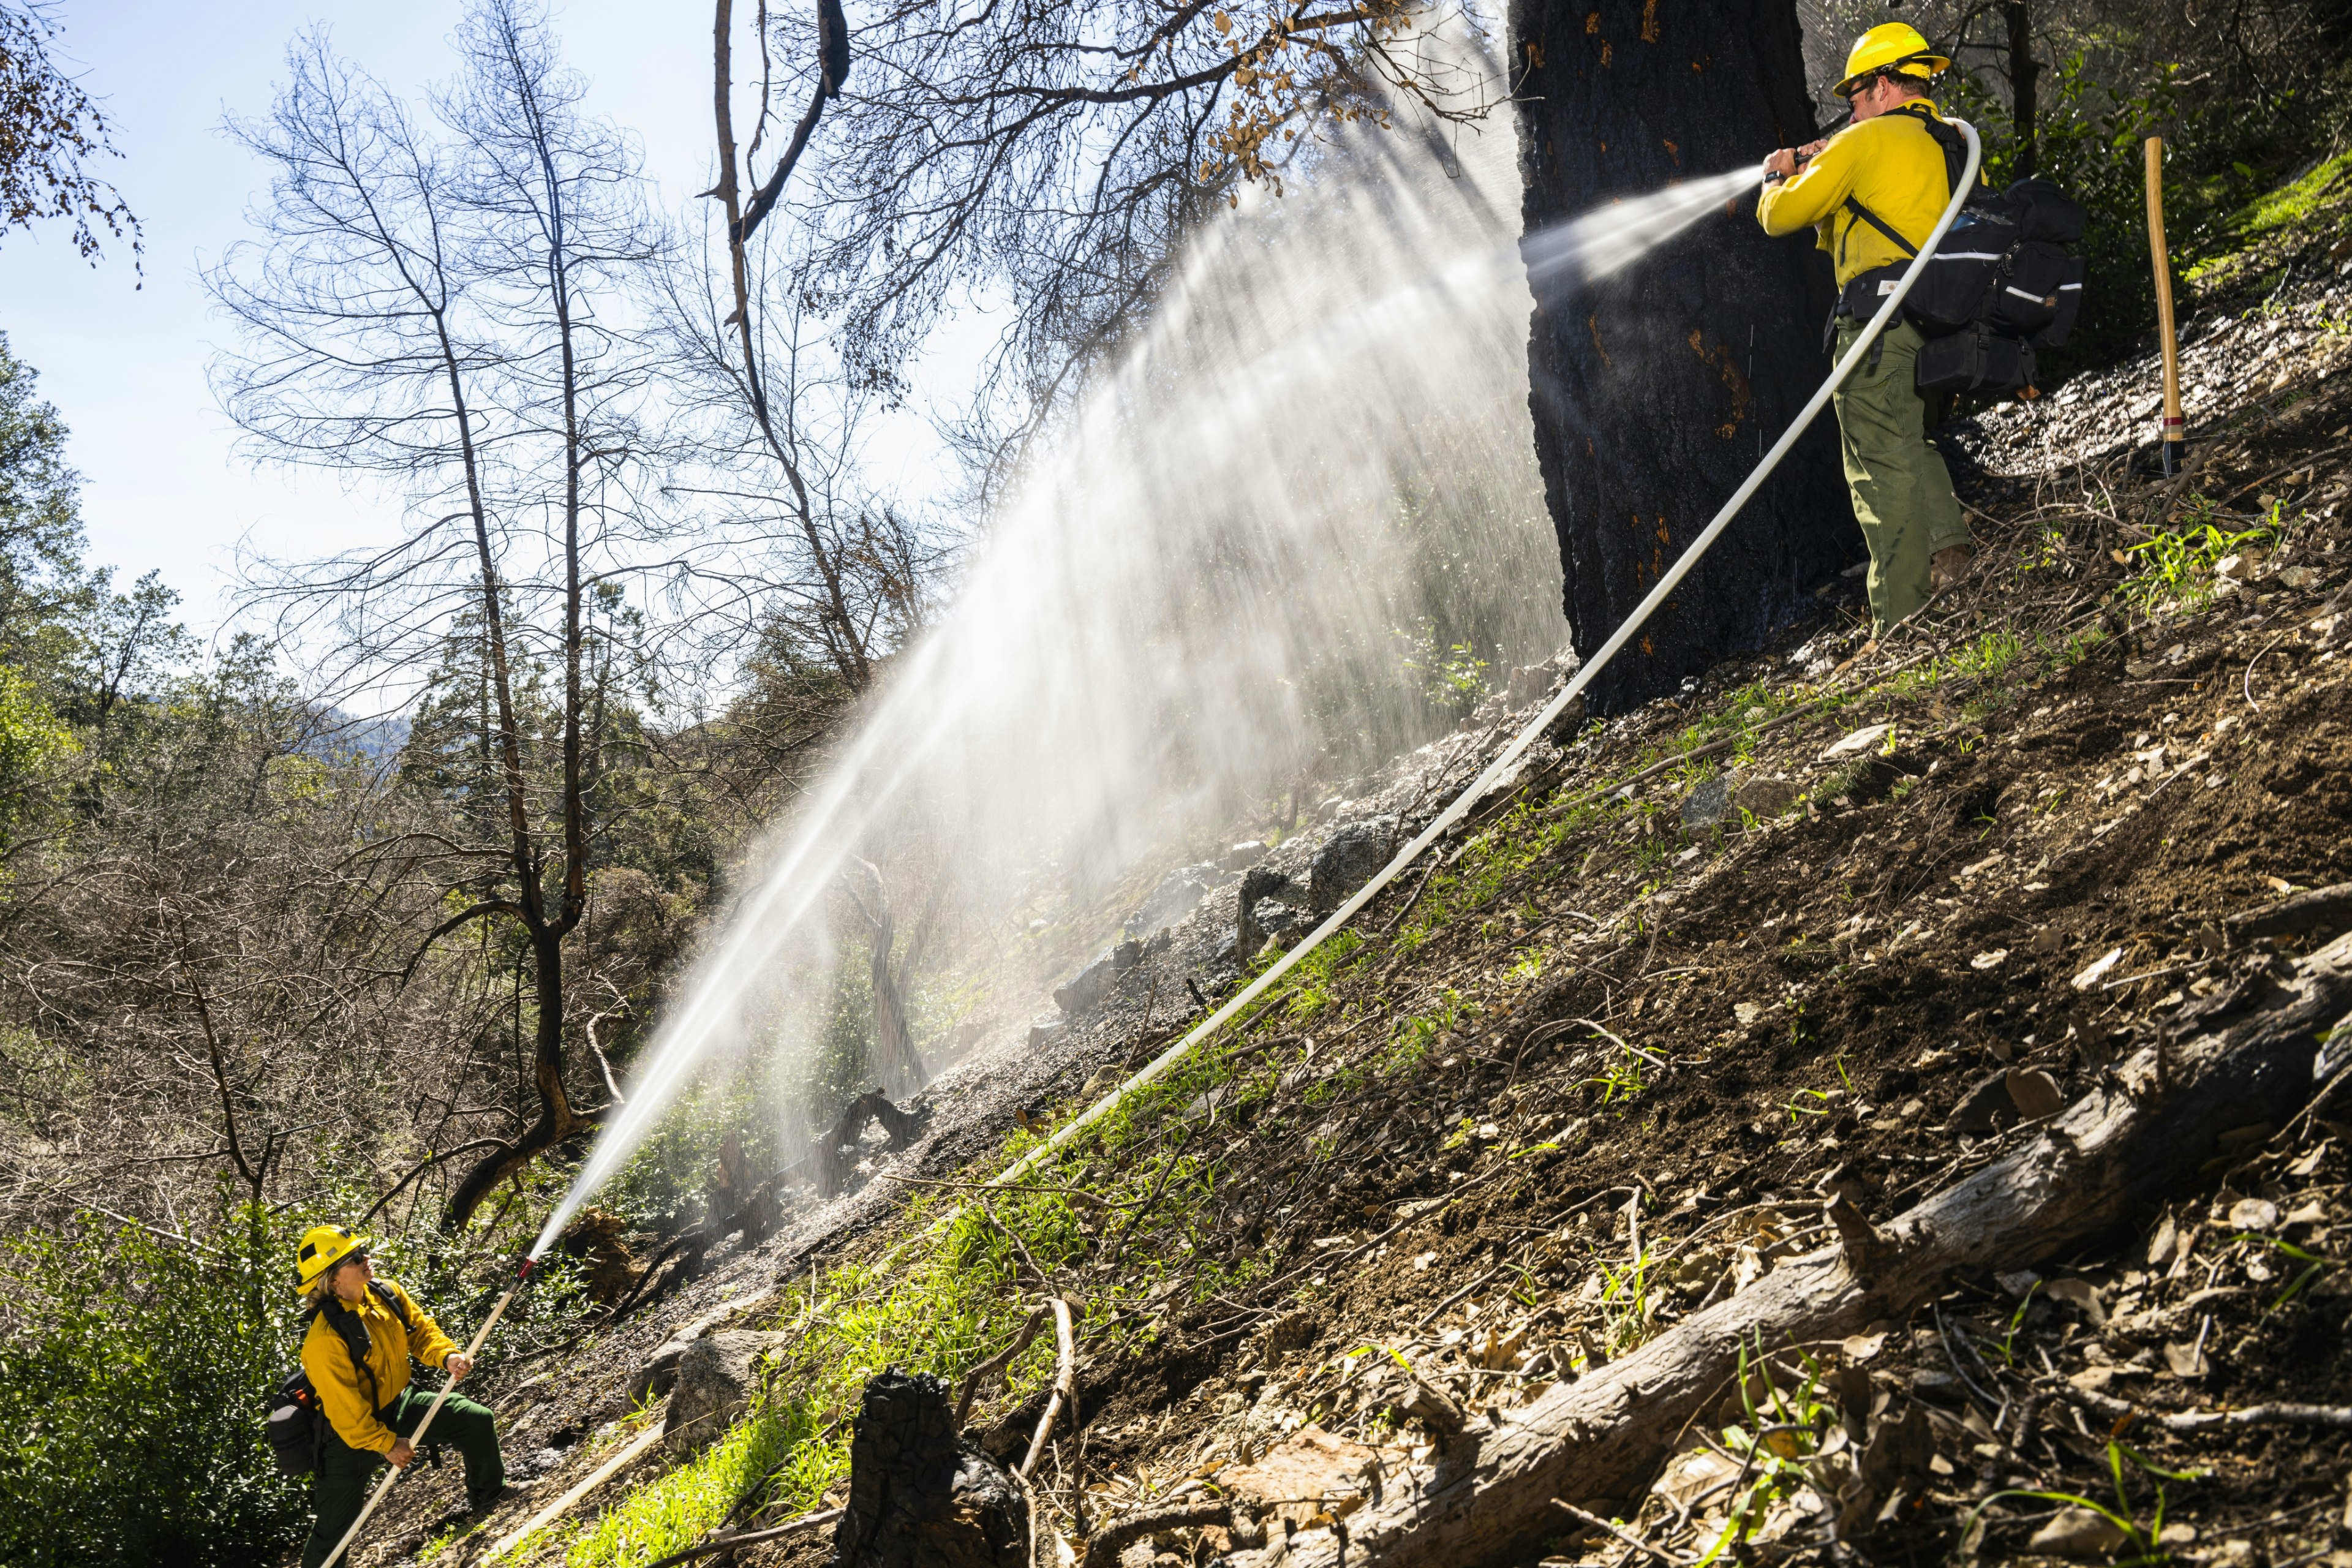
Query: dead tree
[1059,151]
[894,1039]
[1657,389]
[420,308]
[919,1497]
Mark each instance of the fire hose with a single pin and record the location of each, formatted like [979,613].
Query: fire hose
[1509,755]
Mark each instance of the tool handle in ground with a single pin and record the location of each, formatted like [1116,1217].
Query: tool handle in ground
[416,1439]
[2173,432]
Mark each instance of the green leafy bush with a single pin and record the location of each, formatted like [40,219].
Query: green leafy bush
[2088,137]
[132,1375]
[136,1370]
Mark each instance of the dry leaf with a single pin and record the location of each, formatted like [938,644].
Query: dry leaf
[2079,1532]
[2254,1214]
[2081,1295]
[2035,1093]
[2098,969]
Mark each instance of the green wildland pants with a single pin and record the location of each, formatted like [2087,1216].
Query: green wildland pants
[346,1474]
[1902,492]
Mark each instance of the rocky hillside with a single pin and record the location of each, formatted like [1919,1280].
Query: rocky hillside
[1874,1107]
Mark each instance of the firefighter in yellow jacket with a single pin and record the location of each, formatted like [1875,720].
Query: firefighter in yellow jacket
[1886,165]
[368,1403]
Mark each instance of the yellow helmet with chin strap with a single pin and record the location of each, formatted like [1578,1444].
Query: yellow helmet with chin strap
[1891,46]
[323,1246]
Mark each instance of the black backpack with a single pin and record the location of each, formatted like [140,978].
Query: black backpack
[297,1428]
[1999,283]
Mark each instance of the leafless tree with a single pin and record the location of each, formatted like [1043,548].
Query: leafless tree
[1050,155]
[194,976]
[444,311]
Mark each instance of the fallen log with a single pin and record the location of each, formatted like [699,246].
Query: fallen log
[2297,914]
[2241,1060]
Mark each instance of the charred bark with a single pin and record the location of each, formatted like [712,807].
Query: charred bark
[919,1496]
[1657,389]
[833,1171]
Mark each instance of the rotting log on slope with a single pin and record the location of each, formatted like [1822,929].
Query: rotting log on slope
[2244,1057]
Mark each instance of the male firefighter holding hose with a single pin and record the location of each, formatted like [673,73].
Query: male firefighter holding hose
[362,1334]
[1886,171]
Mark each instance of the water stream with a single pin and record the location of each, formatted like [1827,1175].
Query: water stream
[1208,586]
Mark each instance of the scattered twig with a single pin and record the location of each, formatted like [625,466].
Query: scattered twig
[1106,1543]
[2248,683]
[1078,1193]
[1420,888]
[1636,1542]
[1443,1306]
[1166,1168]
[1065,1383]
[800,1526]
[2108,1407]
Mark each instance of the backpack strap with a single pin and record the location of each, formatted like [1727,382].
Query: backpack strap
[354,1332]
[1882,226]
[391,1299]
[1954,146]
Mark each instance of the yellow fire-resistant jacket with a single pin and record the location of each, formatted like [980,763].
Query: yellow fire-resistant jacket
[343,1389]
[1891,165]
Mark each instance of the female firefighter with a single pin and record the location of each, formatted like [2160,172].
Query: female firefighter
[362,1332]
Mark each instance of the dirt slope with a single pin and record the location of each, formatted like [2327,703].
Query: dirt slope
[1606,1065]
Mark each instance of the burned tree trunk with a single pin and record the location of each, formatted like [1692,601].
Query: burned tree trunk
[1657,389]
[919,1496]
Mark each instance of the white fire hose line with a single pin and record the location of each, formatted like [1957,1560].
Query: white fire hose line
[1552,709]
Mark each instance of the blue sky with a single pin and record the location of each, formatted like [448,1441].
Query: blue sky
[163,488]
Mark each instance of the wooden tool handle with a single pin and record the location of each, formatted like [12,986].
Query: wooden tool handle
[2172,431]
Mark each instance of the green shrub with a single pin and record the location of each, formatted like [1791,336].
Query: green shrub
[132,1376]
[135,1372]
[2088,137]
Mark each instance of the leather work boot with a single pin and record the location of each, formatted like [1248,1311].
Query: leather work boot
[1948,566]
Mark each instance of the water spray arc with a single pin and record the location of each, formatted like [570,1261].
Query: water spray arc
[1551,712]
[1610,239]
[1205,580]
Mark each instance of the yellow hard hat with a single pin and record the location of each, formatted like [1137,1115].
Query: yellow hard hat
[1890,46]
[323,1246]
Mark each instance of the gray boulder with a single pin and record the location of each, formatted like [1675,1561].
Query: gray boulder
[1764,798]
[1709,802]
[1256,886]
[1351,857]
[1242,857]
[1178,894]
[1277,921]
[716,1376]
[1085,989]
